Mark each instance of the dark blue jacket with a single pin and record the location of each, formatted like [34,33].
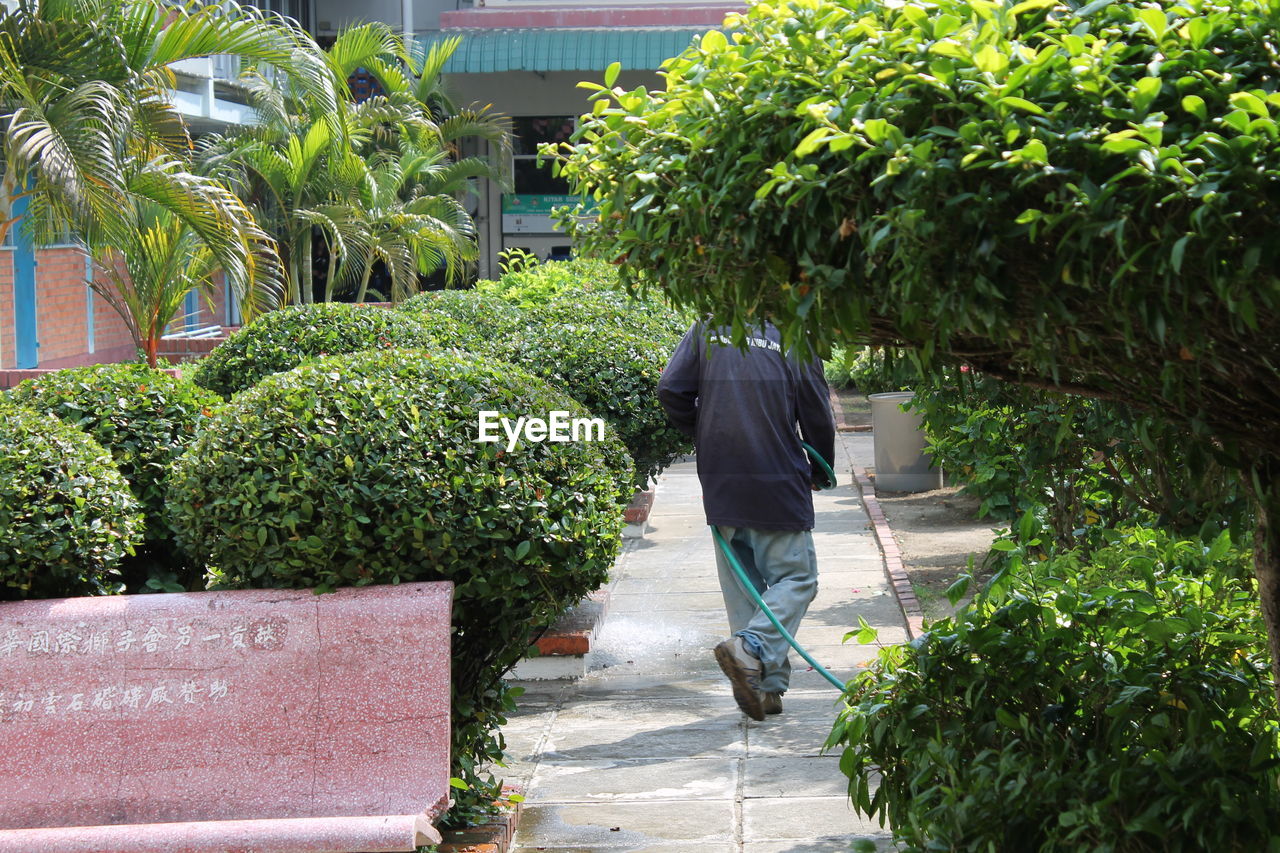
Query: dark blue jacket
[742,410]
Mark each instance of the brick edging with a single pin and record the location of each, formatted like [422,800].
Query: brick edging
[492,837]
[837,412]
[637,511]
[574,631]
[893,564]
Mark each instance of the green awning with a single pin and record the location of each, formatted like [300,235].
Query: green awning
[564,49]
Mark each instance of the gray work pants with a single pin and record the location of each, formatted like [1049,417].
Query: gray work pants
[783,568]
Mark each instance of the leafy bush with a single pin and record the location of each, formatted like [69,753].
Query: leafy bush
[1068,192]
[836,368]
[586,285]
[1118,703]
[365,468]
[532,285]
[603,347]
[873,370]
[611,370]
[464,318]
[145,419]
[283,339]
[66,514]
[657,320]
[1082,466]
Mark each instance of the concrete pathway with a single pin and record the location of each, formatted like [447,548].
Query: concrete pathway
[649,752]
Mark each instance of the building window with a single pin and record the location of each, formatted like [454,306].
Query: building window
[529,177]
[299,10]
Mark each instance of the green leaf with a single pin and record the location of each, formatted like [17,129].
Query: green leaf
[990,60]
[1176,254]
[1195,105]
[812,141]
[714,41]
[1249,102]
[1094,7]
[1031,5]
[1125,145]
[611,73]
[1146,91]
[957,590]
[1022,104]
[1155,22]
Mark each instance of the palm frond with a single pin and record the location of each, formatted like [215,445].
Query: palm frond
[220,220]
[362,46]
[428,87]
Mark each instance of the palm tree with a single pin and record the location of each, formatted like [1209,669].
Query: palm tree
[402,215]
[289,162]
[419,80]
[381,179]
[89,129]
[280,167]
[152,259]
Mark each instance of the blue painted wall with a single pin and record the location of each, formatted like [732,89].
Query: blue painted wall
[25,334]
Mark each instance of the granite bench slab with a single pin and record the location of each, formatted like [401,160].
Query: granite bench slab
[263,720]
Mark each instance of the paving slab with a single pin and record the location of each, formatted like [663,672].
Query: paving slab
[573,781]
[614,825]
[648,751]
[680,602]
[881,842]
[693,728]
[803,819]
[769,777]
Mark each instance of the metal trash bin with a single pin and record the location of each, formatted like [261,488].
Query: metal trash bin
[902,465]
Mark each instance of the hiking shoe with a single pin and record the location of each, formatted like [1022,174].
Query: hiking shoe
[743,671]
[771,703]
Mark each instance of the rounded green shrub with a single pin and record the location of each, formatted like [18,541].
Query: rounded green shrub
[66,514]
[659,321]
[1116,702]
[613,371]
[145,418]
[366,469]
[283,339]
[537,284]
[464,318]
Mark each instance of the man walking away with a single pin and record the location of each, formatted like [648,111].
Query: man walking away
[742,409]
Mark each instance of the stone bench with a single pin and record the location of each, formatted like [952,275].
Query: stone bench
[257,720]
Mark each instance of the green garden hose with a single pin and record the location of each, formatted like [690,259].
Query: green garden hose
[755,596]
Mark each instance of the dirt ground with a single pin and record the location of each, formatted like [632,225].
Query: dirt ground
[938,531]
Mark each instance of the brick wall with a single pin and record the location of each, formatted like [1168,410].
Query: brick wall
[61,305]
[8,356]
[62,316]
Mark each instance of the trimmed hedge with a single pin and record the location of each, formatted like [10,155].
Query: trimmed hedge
[1115,702]
[605,348]
[145,418]
[464,318]
[365,469]
[539,284]
[283,339]
[661,323]
[613,371]
[66,514]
